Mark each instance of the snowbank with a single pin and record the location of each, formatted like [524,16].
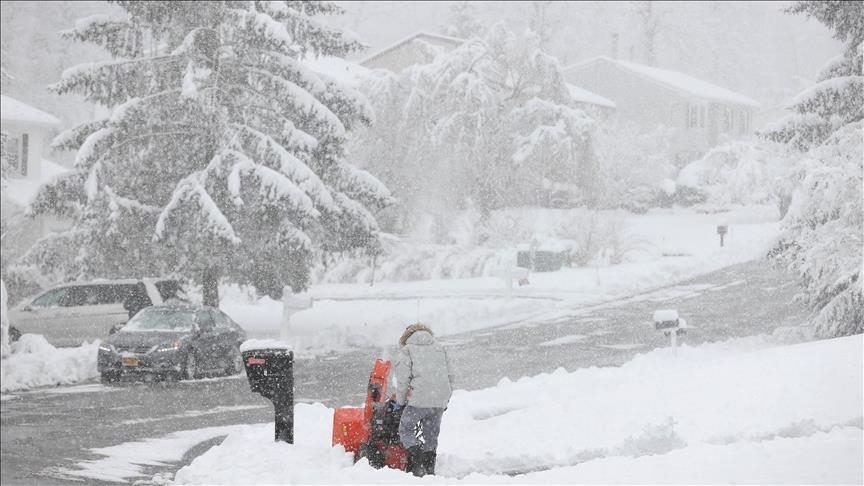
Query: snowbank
[33,362]
[743,411]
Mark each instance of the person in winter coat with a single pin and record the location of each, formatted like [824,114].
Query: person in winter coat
[423,388]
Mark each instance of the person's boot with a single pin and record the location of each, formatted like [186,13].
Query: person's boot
[429,462]
[415,461]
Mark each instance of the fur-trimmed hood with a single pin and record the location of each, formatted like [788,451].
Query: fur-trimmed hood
[411,330]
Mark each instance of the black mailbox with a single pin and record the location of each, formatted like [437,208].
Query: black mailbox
[271,374]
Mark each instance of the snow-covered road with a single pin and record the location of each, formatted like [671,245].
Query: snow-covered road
[52,435]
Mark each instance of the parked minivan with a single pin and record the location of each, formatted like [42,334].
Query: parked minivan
[69,314]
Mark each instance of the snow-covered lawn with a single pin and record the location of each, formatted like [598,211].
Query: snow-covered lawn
[742,411]
[33,362]
[673,245]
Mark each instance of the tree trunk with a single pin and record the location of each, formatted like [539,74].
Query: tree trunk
[210,287]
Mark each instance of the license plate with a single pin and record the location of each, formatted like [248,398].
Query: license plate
[130,361]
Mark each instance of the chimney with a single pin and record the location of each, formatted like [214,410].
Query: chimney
[614,46]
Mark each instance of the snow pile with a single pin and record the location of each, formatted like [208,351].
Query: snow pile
[33,362]
[744,411]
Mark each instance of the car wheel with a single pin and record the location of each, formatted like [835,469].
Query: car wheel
[190,366]
[235,362]
[14,334]
[107,377]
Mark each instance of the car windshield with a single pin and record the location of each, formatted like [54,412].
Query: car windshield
[177,320]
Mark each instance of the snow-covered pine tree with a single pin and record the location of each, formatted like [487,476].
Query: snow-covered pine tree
[823,241]
[223,156]
[490,122]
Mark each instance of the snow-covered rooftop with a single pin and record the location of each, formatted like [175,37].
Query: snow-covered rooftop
[337,68]
[585,96]
[12,110]
[679,81]
[22,191]
[453,40]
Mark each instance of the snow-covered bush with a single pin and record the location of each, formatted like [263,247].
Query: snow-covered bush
[823,239]
[595,237]
[743,172]
[633,163]
[223,155]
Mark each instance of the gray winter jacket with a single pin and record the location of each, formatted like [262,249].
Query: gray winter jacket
[423,377]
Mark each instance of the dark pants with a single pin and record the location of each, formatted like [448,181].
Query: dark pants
[429,420]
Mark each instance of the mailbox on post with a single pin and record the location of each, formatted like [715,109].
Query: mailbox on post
[270,370]
[668,321]
[722,229]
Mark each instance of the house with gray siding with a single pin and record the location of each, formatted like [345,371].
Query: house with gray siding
[700,113]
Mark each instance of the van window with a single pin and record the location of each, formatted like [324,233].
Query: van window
[112,294]
[169,289]
[222,321]
[205,321]
[51,298]
[80,295]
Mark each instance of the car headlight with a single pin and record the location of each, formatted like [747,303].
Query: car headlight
[163,348]
[106,347]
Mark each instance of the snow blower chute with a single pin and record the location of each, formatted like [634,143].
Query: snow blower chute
[372,431]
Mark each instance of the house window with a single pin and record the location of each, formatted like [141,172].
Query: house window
[727,119]
[697,117]
[11,153]
[25,148]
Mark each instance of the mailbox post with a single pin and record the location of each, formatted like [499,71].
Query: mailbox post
[667,320]
[270,370]
[722,229]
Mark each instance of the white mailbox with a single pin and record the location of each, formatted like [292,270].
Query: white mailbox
[668,321]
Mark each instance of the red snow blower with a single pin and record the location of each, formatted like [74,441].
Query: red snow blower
[372,431]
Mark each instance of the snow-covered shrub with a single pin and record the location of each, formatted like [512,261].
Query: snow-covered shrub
[595,236]
[633,164]
[410,261]
[742,172]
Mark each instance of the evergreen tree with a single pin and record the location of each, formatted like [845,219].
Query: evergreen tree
[823,241]
[223,156]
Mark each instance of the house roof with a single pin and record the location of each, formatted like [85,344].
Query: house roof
[12,110]
[584,96]
[337,68]
[673,79]
[22,191]
[453,40]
